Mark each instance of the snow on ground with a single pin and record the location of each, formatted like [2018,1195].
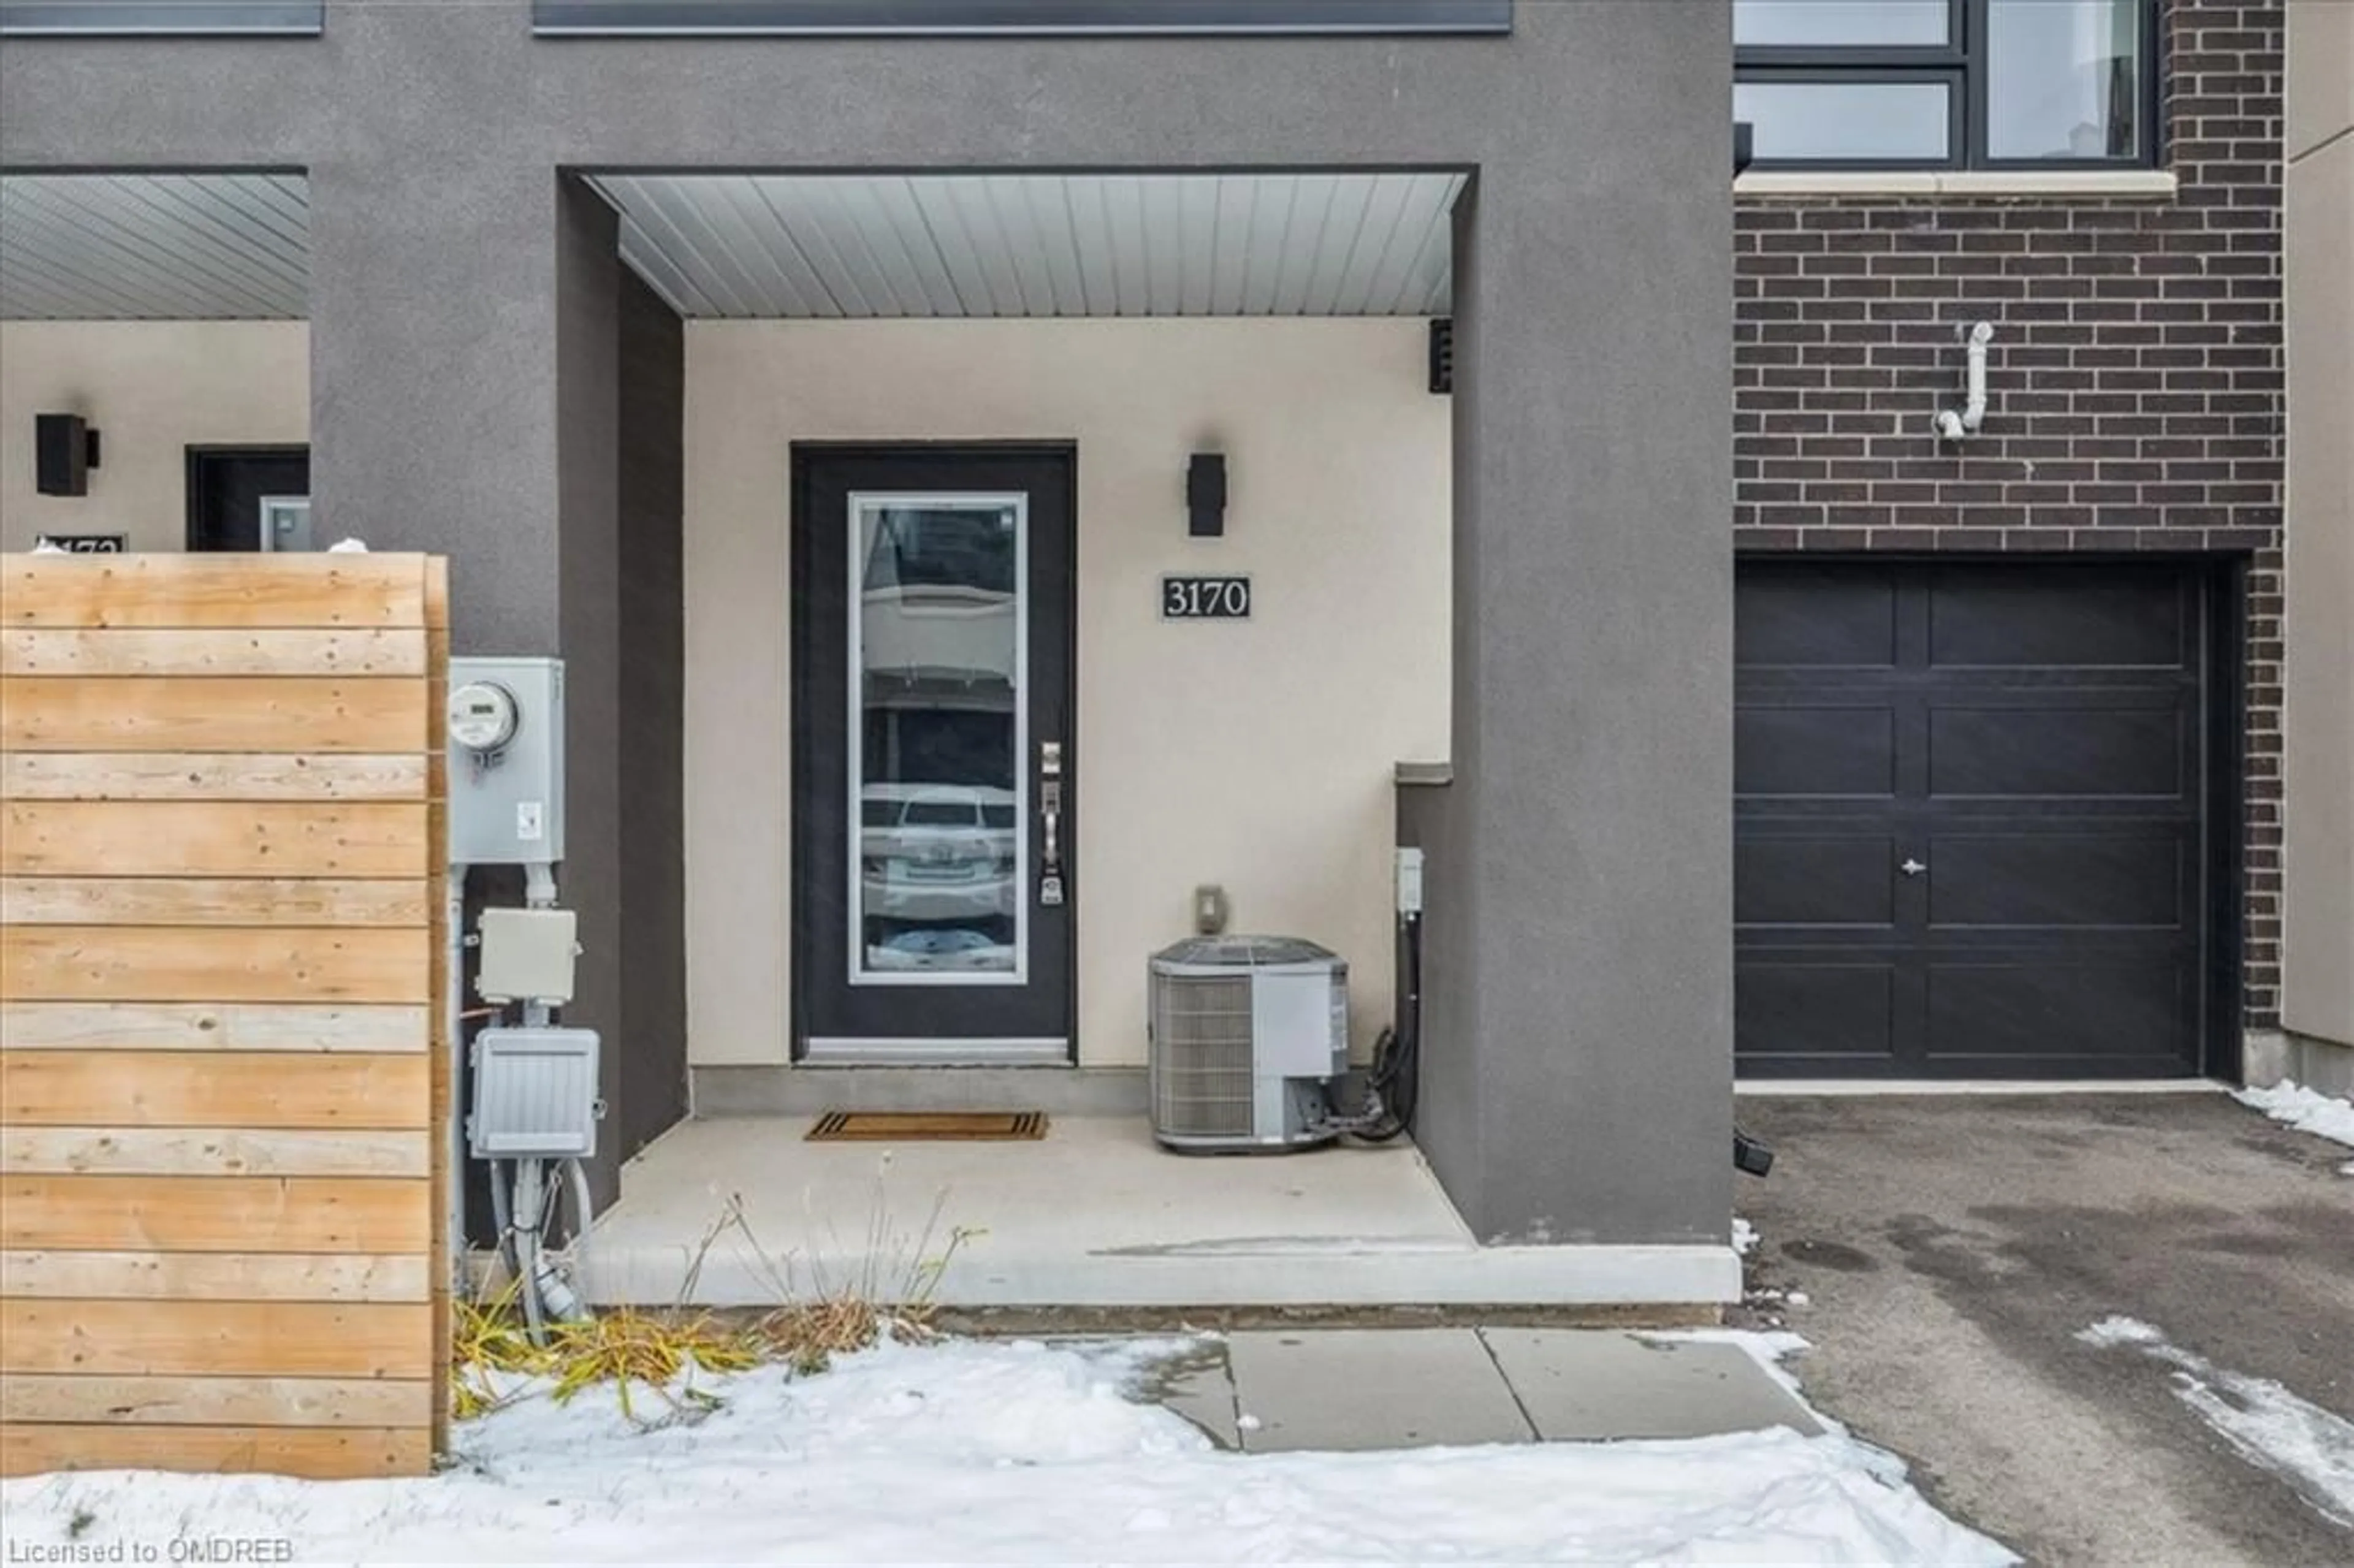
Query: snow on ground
[2307,1110]
[975,1452]
[2308,1447]
[1744,1237]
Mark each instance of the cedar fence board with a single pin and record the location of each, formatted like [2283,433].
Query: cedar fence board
[224,1079]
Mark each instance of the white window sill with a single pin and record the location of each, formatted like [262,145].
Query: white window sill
[2154,184]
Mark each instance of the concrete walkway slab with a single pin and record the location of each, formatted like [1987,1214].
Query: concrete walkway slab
[1200,1386]
[1590,1386]
[1355,1389]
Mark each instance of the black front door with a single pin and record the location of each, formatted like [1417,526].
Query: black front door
[249,498]
[933,762]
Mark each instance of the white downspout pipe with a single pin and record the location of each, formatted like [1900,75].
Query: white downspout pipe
[454,1004]
[1953,425]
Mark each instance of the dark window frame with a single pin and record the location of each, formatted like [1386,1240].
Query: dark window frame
[163,19]
[1014,18]
[1964,59]
[1951,77]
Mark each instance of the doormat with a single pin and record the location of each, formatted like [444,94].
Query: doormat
[933,1126]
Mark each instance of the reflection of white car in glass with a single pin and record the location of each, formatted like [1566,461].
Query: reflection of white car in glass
[957,948]
[937,852]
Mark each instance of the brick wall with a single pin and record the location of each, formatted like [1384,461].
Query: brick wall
[2135,375]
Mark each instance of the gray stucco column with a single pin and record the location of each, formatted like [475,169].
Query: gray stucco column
[1579,1050]
[434,377]
[465,344]
[586,326]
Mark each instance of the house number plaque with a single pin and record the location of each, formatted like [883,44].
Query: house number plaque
[1205,598]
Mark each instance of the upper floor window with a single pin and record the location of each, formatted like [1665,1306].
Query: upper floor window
[1946,83]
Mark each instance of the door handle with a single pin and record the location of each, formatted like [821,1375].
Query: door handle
[1050,818]
[1911,867]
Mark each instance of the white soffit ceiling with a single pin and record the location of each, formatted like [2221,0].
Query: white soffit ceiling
[154,247]
[1041,245]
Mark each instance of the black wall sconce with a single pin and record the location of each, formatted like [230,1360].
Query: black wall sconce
[64,451]
[1205,494]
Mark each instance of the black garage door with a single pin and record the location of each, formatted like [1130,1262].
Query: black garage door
[1970,820]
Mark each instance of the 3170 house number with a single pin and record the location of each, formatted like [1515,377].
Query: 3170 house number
[1205,598]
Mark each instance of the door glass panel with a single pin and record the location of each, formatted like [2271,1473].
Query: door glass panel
[938,734]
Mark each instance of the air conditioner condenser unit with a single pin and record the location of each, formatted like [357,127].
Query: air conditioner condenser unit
[1246,1034]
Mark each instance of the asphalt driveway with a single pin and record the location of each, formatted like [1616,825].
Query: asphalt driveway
[1951,1250]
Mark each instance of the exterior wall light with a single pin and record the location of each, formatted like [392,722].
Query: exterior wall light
[64,451]
[1205,495]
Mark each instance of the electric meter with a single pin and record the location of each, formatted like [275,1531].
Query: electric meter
[505,720]
[481,716]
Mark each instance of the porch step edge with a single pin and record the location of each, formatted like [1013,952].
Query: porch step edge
[1492,1280]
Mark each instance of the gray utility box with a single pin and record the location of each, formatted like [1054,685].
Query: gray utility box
[506,761]
[526,956]
[535,1095]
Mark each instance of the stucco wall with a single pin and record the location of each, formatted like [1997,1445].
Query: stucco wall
[1579,973]
[152,389]
[2317,858]
[1256,755]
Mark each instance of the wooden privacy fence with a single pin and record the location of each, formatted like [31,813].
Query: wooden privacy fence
[221,968]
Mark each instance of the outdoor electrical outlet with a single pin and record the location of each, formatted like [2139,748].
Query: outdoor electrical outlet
[1409,881]
[1210,909]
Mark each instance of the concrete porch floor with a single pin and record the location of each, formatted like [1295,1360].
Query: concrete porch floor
[1095,1215]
